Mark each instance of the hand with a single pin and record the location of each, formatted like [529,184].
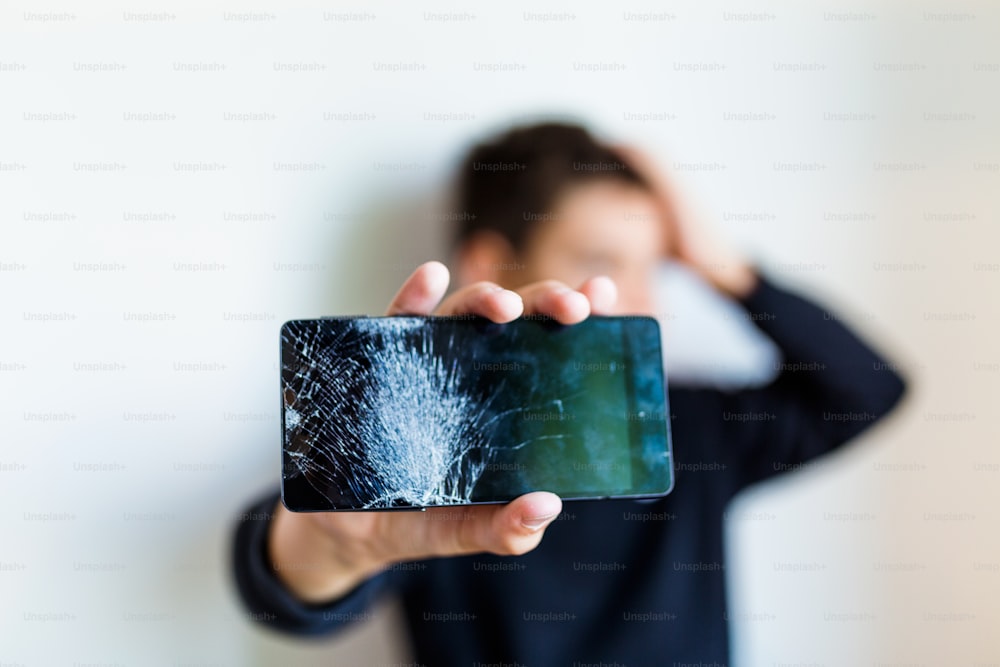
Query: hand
[689,239]
[321,556]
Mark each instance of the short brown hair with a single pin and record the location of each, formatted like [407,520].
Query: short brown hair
[507,183]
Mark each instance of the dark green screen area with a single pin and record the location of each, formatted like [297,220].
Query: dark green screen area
[397,412]
[566,389]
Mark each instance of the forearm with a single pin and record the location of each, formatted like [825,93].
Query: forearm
[823,358]
[831,386]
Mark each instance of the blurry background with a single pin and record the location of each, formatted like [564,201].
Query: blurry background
[176,179]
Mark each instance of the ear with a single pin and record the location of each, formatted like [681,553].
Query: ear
[486,255]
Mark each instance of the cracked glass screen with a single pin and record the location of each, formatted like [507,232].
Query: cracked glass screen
[423,411]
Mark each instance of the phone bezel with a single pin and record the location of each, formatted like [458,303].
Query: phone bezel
[636,450]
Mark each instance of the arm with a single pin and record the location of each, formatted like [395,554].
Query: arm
[831,386]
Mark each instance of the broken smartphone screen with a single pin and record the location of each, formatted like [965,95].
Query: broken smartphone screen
[411,412]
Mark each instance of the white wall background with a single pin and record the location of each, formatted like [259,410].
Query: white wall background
[176,179]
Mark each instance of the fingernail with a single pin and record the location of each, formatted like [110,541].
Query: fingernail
[536,522]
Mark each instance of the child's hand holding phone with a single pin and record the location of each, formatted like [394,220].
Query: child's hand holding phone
[323,555]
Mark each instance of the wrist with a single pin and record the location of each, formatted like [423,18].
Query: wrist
[310,562]
[735,278]
[739,282]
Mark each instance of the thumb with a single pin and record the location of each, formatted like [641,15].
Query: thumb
[507,530]
[517,528]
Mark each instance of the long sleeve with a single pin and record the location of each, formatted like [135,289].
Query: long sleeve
[830,387]
[266,598]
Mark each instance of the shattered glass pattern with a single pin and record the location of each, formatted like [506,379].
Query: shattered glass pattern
[397,412]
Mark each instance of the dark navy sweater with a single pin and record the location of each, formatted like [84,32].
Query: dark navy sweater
[620,582]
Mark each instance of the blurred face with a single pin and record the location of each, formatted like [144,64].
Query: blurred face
[602,228]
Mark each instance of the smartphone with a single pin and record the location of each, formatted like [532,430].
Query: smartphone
[413,412]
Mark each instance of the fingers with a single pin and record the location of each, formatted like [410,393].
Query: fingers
[486,299]
[602,293]
[422,291]
[556,300]
[548,297]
